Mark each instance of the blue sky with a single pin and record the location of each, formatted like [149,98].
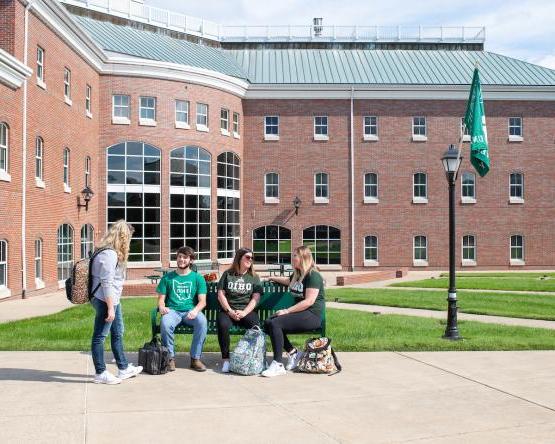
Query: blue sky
[521,29]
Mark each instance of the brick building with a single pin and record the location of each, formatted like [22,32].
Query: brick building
[200,136]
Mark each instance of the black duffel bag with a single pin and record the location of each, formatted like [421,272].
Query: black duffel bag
[154,357]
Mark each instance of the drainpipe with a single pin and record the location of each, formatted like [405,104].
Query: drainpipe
[352,167]
[24,167]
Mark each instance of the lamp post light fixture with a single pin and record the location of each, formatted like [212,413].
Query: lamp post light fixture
[87,194]
[451,163]
[296,204]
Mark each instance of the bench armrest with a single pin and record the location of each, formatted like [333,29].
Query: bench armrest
[153,321]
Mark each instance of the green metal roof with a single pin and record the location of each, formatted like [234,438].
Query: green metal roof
[154,46]
[322,66]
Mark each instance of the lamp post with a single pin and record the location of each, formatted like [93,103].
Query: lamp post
[296,204]
[87,194]
[451,163]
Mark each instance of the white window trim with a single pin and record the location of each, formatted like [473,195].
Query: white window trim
[321,137]
[419,200]
[466,138]
[419,138]
[371,138]
[469,263]
[419,263]
[271,200]
[67,188]
[118,120]
[39,183]
[202,128]
[147,264]
[5,292]
[371,263]
[224,132]
[267,199]
[147,122]
[39,283]
[516,138]
[516,200]
[5,176]
[236,135]
[41,83]
[321,200]
[517,262]
[68,101]
[88,114]
[67,98]
[182,125]
[371,200]
[271,137]
[465,200]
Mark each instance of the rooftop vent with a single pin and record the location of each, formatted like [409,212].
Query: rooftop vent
[317,23]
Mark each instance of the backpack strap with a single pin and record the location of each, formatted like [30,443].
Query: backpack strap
[336,362]
[96,253]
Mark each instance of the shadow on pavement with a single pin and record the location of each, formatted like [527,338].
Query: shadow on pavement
[32,375]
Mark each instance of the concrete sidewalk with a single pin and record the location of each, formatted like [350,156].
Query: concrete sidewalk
[447,397]
[41,305]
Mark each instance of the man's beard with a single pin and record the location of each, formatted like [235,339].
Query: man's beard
[181,267]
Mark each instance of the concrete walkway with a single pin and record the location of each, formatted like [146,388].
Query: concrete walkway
[41,305]
[444,397]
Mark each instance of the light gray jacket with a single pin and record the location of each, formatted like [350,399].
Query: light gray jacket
[107,271]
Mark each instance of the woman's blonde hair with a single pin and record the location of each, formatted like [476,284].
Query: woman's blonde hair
[306,265]
[118,237]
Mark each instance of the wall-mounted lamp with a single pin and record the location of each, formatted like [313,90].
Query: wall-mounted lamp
[296,204]
[87,194]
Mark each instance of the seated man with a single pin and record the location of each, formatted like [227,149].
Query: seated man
[176,292]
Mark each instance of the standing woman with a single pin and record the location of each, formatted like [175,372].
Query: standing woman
[108,273]
[239,291]
[307,287]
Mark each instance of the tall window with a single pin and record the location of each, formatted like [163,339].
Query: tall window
[202,116]
[517,247]
[224,121]
[515,126]
[420,186]
[120,108]
[67,85]
[40,65]
[4,147]
[3,264]
[320,127]
[419,126]
[38,259]
[87,171]
[321,183]
[88,93]
[271,127]
[134,195]
[147,109]
[371,248]
[39,156]
[66,167]
[371,186]
[271,244]
[87,240]
[469,248]
[228,204]
[370,126]
[516,186]
[271,186]
[324,242]
[190,189]
[182,113]
[236,124]
[65,251]
[420,248]
[466,133]
[468,186]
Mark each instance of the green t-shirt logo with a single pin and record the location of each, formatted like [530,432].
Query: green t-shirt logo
[297,287]
[239,286]
[183,290]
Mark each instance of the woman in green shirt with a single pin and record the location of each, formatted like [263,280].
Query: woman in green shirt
[307,286]
[239,291]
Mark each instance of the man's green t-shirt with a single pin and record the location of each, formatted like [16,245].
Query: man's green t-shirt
[180,290]
[238,288]
[311,280]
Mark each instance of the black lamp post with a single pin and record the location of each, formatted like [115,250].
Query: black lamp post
[87,194]
[451,163]
[296,204]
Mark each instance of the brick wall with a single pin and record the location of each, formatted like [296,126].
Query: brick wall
[7,25]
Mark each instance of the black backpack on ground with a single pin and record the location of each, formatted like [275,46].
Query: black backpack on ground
[154,357]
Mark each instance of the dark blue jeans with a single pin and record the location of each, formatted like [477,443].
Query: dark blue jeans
[101,330]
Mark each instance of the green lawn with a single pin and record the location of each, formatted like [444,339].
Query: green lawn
[350,331]
[504,274]
[533,306]
[508,282]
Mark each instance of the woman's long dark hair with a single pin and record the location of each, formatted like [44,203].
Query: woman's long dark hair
[236,265]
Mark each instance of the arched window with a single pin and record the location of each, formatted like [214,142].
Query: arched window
[65,251]
[469,248]
[325,243]
[87,240]
[517,247]
[4,147]
[39,156]
[371,249]
[190,190]
[229,195]
[420,248]
[271,244]
[3,264]
[271,187]
[134,195]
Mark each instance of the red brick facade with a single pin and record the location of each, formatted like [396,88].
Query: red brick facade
[395,220]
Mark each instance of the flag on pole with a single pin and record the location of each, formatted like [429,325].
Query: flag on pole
[475,121]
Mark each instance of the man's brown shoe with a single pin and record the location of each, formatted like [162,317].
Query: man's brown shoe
[197,365]
[171,365]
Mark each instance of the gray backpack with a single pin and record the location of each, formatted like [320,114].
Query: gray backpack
[249,357]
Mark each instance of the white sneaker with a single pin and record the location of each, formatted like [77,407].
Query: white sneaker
[225,366]
[275,369]
[129,372]
[293,360]
[106,378]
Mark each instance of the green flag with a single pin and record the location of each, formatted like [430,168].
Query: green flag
[475,122]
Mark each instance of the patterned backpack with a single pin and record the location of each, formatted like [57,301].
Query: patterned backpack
[318,357]
[249,357]
[78,286]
